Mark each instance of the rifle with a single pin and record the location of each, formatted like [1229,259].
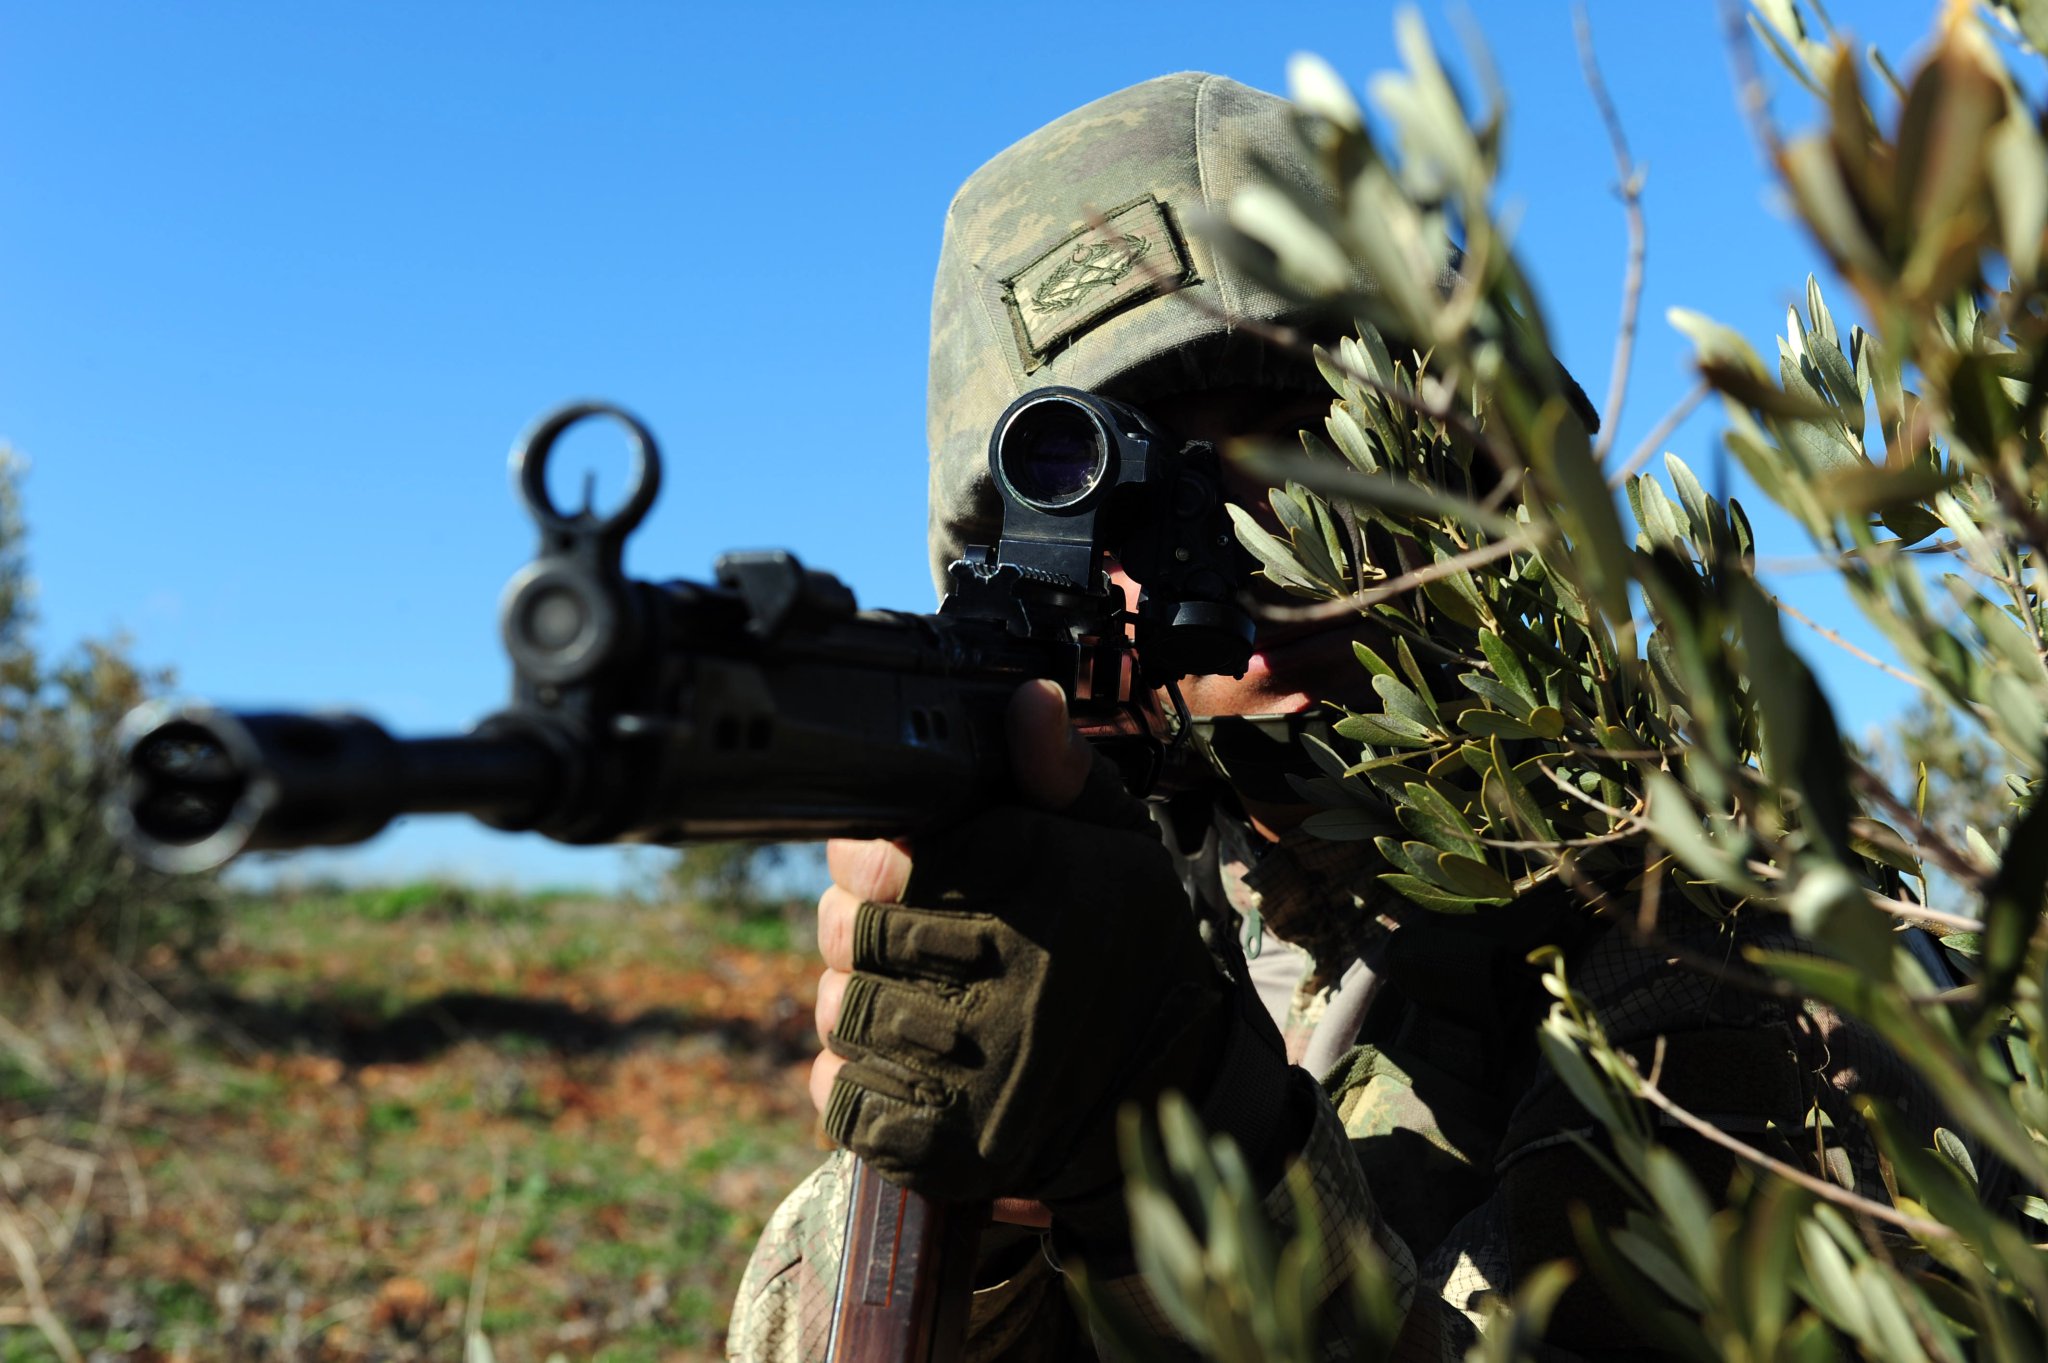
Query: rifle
[766,706]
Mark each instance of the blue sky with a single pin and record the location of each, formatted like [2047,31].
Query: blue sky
[278,285]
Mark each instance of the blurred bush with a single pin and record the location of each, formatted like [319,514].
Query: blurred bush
[69,896]
[729,890]
[727,877]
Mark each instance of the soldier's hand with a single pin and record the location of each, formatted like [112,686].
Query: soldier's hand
[993,995]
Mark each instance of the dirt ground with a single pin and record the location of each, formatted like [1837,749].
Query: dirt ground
[369,1125]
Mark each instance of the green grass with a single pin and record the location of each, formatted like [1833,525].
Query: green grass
[773,934]
[420,900]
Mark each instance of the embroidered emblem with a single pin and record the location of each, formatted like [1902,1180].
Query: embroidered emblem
[1129,256]
[1090,266]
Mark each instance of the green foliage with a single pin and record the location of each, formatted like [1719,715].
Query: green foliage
[445,900]
[1209,1259]
[68,894]
[1573,698]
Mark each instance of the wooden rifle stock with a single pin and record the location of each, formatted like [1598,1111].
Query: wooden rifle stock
[906,1271]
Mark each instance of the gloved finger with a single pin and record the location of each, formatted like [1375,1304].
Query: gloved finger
[921,944]
[1059,770]
[873,1111]
[831,990]
[831,1070]
[880,1015]
[869,868]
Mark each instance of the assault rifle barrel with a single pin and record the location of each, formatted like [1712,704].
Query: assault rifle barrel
[202,784]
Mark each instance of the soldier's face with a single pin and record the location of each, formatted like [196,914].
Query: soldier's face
[1293,666]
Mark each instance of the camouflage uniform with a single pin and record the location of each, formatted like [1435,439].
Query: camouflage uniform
[1438,1134]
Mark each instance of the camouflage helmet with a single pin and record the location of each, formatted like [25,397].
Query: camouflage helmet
[1067,260]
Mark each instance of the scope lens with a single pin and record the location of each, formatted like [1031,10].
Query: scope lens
[1053,454]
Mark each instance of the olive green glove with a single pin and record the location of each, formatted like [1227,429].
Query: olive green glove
[1042,970]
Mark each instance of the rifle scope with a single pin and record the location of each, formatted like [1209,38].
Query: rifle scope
[1052,452]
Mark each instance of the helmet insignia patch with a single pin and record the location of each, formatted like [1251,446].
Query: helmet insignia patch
[1124,258]
[1091,265]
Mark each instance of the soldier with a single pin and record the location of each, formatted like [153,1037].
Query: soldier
[993,996]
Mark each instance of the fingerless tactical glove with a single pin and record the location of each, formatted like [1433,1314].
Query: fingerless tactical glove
[1041,971]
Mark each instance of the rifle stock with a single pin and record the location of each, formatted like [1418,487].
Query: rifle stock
[905,1274]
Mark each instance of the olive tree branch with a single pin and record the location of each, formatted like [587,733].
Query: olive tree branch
[2013,577]
[1884,903]
[1630,188]
[1548,845]
[1750,92]
[1407,582]
[1671,421]
[1819,1187]
[1557,779]
[1839,642]
[1829,563]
